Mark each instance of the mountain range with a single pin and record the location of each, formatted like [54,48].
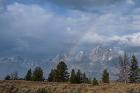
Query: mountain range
[92,62]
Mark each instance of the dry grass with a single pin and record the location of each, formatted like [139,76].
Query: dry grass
[45,87]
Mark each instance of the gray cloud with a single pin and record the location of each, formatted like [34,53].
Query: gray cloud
[82,3]
[91,5]
[31,30]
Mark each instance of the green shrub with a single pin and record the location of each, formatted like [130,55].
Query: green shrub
[95,82]
[42,90]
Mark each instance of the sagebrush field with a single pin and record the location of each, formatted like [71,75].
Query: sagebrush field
[45,87]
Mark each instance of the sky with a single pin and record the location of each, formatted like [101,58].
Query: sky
[46,28]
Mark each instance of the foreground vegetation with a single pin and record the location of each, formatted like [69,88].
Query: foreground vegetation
[45,87]
[61,81]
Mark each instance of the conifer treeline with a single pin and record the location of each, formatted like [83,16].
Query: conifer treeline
[36,75]
[61,74]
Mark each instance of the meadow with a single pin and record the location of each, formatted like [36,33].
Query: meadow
[14,86]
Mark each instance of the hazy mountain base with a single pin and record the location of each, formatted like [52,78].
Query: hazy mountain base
[44,87]
[98,58]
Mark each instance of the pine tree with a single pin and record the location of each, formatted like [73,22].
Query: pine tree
[61,73]
[7,77]
[28,76]
[38,74]
[73,77]
[78,77]
[84,78]
[105,76]
[95,82]
[56,77]
[51,76]
[134,74]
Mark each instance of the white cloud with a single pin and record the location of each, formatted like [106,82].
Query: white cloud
[37,29]
[131,2]
[131,40]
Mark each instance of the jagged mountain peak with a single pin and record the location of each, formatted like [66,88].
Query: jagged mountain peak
[98,58]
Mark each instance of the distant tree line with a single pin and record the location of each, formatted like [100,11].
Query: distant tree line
[60,74]
[12,76]
[129,72]
[78,77]
[36,75]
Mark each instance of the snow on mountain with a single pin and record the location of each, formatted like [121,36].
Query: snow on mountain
[92,62]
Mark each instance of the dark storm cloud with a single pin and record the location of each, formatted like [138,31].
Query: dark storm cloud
[87,5]
[84,5]
[85,2]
